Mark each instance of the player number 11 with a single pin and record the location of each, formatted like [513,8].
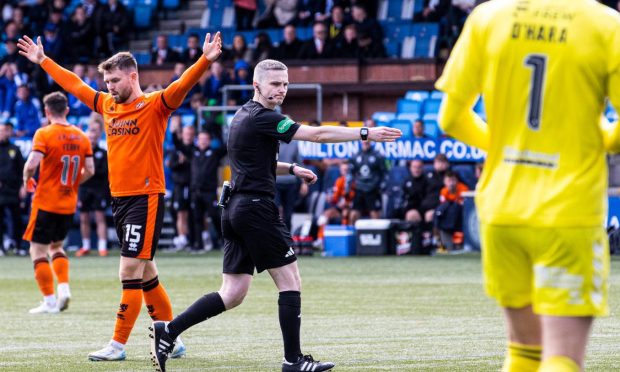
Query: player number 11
[538,64]
[66,164]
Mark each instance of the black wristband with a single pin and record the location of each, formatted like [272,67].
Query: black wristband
[291,167]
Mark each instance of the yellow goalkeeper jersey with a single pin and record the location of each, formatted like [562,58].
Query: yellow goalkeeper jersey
[544,68]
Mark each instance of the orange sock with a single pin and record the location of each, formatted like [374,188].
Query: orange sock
[157,300]
[44,277]
[60,264]
[128,311]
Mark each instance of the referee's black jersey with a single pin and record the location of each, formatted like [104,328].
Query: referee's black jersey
[99,180]
[253,143]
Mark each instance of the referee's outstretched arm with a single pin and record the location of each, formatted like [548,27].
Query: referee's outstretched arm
[327,134]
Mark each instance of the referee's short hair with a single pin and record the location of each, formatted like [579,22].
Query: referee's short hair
[267,65]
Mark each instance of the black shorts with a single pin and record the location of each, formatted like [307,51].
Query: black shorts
[367,201]
[254,235]
[138,220]
[181,198]
[92,200]
[47,227]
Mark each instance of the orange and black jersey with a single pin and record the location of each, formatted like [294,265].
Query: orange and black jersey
[135,131]
[64,148]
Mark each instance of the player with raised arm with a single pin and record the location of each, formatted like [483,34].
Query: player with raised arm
[544,68]
[65,158]
[135,124]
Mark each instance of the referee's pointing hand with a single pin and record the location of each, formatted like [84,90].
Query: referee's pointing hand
[384,134]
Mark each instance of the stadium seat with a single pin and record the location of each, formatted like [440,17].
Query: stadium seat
[408,9]
[129,4]
[436,94]
[382,118]
[407,105]
[410,116]
[228,17]
[431,128]
[150,3]
[395,30]
[407,47]
[417,95]
[392,48]
[405,126]
[143,58]
[142,16]
[170,4]
[425,36]
[394,10]
[431,106]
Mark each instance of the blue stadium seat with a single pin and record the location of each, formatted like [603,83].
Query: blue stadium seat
[304,33]
[405,126]
[431,106]
[436,94]
[410,116]
[407,105]
[275,34]
[143,58]
[425,35]
[382,118]
[129,4]
[466,174]
[142,16]
[431,128]
[394,9]
[419,6]
[170,4]
[329,178]
[417,95]
[392,48]
[150,3]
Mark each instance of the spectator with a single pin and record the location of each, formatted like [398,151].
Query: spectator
[366,26]
[239,50]
[289,188]
[80,36]
[179,163]
[9,78]
[11,32]
[92,7]
[193,50]
[336,22]
[449,213]
[162,53]
[185,107]
[341,199]
[27,112]
[309,11]
[111,27]
[278,13]
[435,183]
[92,77]
[290,45]
[369,171]
[414,190]
[12,56]
[11,190]
[433,11]
[57,18]
[317,47]
[263,49]
[369,47]
[242,77]
[214,83]
[52,42]
[204,182]
[346,46]
[418,130]
[244,14]
[77,108]
[38,15]
[18,19]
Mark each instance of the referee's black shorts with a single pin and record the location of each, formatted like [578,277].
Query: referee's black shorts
[254,235]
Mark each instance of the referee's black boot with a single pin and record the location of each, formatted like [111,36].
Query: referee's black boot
[306,363]
[161,345]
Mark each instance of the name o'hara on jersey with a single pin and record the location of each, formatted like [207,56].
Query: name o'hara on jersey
[123,127]
[539,32]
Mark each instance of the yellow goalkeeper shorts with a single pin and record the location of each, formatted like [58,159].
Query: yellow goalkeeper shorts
[559,271]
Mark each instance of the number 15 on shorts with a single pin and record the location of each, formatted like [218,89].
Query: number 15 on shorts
[132,236]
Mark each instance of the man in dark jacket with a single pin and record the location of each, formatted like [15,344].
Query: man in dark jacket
[11,166]
[369,171]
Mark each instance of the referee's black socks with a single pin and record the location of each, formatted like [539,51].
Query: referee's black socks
[289,311]
[204,308]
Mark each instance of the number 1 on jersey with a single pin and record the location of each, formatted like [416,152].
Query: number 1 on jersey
[66,163]
[538,63]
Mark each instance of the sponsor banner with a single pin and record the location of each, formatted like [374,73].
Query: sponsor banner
[423,149]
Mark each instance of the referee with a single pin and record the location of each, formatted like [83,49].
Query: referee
[254,235]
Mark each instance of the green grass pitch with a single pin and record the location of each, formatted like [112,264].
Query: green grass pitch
[365,314]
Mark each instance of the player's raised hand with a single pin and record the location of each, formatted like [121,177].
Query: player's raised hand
[31,50]
[212,48]
[384,134]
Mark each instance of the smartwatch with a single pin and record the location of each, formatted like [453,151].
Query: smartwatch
[364,133]
[291,167]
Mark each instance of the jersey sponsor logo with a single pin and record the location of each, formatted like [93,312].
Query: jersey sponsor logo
[123,127]
[284,125]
